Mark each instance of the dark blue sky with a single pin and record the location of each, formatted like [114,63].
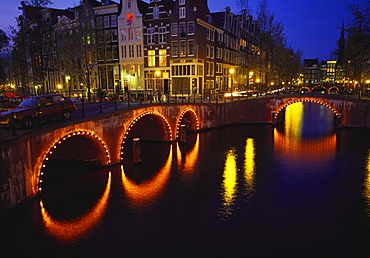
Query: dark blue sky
[311,25]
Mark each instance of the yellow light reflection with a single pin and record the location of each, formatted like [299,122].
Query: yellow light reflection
[229,183]
[367,184]
[72,230]
[249,164]
[145,193]
[293,149]
[294,120]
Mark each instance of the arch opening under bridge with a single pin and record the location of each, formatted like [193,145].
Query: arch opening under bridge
[71,149]
[278,114]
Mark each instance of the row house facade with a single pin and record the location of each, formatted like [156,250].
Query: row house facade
[106,23]
[131,45]
[165,46]
[156,29]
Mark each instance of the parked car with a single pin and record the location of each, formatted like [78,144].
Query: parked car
[38,108]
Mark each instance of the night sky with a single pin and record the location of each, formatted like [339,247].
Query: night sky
[310,25]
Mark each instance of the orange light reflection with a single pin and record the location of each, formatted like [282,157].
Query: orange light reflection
[145,193]
[291,147]
[367,184]
[72,230]
[191,158]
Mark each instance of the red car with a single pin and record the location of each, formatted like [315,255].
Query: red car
[38,108]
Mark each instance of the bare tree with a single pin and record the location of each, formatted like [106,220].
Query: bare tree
[279,61]
[4,56]
[357,51]
[81,45]
[39,3]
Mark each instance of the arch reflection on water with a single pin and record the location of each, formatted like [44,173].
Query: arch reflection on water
[72,230]
[293,148]
[188,163]
[367,184]
[145,193]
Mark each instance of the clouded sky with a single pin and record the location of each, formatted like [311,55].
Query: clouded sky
[310,25]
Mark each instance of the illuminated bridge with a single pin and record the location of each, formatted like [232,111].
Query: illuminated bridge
[323,87]
[103,139]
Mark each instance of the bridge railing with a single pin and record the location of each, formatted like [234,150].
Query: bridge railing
[97,106]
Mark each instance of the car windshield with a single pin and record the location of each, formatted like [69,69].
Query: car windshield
[29,102]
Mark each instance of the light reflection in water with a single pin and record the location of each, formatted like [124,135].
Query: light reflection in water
[293,149]
[188,165]
[146,193]
[73,230]
[249,165]
[229,184]
[367,184]
[294,121]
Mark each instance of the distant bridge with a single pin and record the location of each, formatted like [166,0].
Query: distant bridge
[327,88]
[103,138]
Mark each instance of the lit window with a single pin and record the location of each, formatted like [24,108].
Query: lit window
[151,57]
[182,2]
[162,57]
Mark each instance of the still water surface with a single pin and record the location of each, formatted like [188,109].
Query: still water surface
[301,189]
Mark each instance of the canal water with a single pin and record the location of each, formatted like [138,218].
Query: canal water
[301,189]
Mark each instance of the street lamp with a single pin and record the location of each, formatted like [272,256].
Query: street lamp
[60,88]
[231,72]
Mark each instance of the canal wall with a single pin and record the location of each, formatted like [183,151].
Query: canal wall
[23,158]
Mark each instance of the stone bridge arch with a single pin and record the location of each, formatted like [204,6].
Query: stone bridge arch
[162,122]
[326,87]
[97,151]
[278,113]
[189,118]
